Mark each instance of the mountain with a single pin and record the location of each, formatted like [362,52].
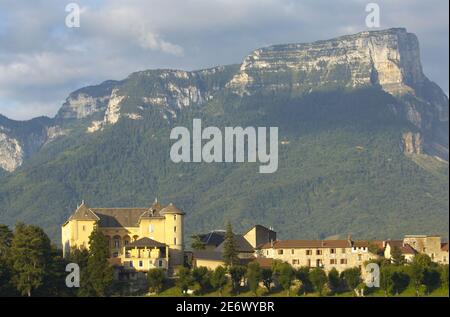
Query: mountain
[363,144]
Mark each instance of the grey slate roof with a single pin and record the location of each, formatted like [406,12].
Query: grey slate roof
[242,245]
[145,242]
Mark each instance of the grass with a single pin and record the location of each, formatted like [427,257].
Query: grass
[173,291]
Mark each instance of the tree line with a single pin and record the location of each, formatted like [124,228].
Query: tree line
[31,266]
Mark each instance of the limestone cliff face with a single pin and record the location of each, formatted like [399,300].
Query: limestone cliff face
[86,101]
[11,153]
[412,143]
[21,139]
[389,58]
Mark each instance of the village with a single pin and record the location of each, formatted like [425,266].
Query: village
[142,240]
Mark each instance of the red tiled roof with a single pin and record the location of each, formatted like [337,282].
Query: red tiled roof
[367,243]
[304,244]
[405,248]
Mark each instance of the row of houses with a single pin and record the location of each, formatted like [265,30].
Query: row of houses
[141,239]
[261,245]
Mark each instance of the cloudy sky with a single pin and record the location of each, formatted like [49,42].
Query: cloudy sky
[42,61]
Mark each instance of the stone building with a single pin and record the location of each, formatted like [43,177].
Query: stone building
[139,238]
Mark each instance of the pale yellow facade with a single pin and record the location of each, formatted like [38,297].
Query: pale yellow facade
[139,238]
[340,256]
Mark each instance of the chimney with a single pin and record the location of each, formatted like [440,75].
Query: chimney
[349,239]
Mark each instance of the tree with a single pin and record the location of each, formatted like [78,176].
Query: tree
[202,276]
[431,279]
[98,276]
[351,278]
[397,256]
[334,281]
[319,279]
[6,237]
[156,279]
[266,277]
[285,275]
[386,282]
[400,280]
[30,255]
[185,279]
[54,281]
[444,275]
[254,276]
[197,243]
[375,249]
[219,279]
[302,275]
[237,273]
[417,269]
[229,252]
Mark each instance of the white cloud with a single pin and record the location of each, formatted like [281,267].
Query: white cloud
[42,61]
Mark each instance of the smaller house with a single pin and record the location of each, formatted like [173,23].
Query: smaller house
[246,245]
[407,251]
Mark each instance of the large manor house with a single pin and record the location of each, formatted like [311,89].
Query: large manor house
[144,238]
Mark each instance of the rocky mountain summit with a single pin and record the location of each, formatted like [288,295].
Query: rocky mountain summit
[389,59]
[363,143]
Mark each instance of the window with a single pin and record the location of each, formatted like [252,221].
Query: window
[333,251]
[343,251]
[150,228]
[333,261]
[175,229]
[308,252]
[292,251]
[84,228]
[126,242]
[280,252]
[174,240]
[174,217]
[116,244]
[308,263]
[359,257]
[140,264]
[319,263]
[318,252]
[295,262]
[343,261]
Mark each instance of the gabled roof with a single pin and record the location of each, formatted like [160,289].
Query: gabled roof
[366,243]
[119,217]
[405,248]
[145,242]
[84,213]
[242,245]
[213,238]
[305,244]
[258,227]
